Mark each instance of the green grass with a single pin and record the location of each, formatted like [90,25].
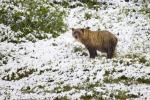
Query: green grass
[77,49]
[62,89]
[91,3]
[137,57]
[126,80]
[26,89]
[34,22]
[87,16]
[61,98]
[123,95]
[89,97]
[145,10]
[4,59]
[19,74]
[91,87]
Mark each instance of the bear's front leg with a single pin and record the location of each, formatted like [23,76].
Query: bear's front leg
[92,52]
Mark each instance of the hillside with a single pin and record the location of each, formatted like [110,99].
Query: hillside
[60,67]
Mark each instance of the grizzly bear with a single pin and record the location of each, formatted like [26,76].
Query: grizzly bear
[103,41]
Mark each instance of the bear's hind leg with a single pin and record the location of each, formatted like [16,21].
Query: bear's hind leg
[110,53]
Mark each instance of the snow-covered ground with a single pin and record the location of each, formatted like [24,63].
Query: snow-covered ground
[59,67]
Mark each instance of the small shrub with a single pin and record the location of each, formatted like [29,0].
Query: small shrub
[87,16]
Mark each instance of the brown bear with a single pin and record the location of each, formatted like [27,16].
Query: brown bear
[103,41]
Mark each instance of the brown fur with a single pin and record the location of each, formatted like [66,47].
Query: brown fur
[103,41]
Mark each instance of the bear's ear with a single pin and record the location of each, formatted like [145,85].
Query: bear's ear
[87,27]
[72,29]
[82,29]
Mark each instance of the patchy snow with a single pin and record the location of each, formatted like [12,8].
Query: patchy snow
[55,70]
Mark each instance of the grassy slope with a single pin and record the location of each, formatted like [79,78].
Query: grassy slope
[60,68]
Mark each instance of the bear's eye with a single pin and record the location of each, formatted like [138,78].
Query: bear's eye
[76,33]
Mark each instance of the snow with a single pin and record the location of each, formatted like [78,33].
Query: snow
[58,65]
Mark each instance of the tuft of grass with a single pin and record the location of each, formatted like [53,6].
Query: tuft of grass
[78,4]
[143,80]
[122,95]
[84,54]
[147,64]
[91,97]
[132,95]
[19,74]
[86,97]
[45,70]
[137,57]
[66,88]
[27,89]
[125,80]
[87,16]
[86,86]
[77,49]
[60,89]
[3,59]
[142,59]
[62,98]
[107,73]
[54,44]
[146,11]
[91,3]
